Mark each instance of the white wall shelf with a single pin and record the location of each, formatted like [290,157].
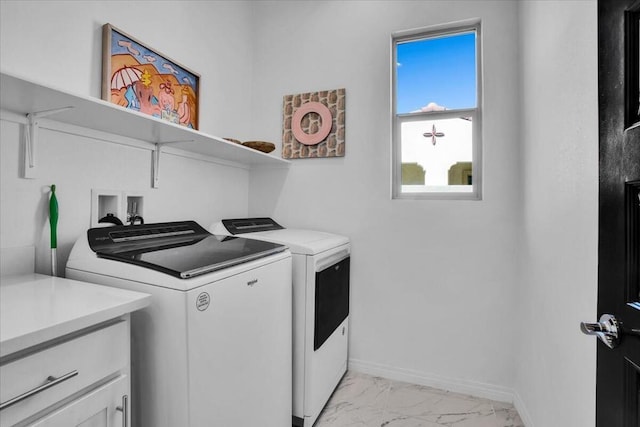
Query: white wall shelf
[28,98]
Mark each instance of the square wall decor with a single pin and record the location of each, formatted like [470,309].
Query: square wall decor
[313,125]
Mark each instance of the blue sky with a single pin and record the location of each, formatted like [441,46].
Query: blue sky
[440,70]
[122,44]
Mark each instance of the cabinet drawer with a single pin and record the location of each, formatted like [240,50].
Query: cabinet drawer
[82,361]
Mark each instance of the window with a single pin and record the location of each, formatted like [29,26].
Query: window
[436,126]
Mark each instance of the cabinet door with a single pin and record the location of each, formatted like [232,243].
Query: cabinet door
[107,406]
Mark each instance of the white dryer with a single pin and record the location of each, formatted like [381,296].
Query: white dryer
[321,264]
[214,346]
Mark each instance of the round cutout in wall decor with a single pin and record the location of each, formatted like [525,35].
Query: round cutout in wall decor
[325,117]
[310,116]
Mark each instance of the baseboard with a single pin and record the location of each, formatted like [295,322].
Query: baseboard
[473,388]
[522,410]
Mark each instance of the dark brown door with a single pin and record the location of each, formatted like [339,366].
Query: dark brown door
[618,353]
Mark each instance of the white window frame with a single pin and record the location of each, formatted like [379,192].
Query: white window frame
[475,113]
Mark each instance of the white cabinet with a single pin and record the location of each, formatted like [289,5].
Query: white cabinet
[65,352]
[80,381]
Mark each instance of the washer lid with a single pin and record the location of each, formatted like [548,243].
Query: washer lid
[181,249]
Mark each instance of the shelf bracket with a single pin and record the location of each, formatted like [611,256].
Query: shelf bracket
[155,169]
[155,161]
[31,140]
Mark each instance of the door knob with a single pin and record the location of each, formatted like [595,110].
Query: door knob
[607,330]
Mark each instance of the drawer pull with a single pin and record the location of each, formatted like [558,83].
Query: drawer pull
[51,381]
[125,410]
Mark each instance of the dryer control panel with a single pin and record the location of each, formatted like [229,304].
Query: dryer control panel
[250,225]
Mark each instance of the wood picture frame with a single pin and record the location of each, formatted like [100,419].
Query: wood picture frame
[139,78]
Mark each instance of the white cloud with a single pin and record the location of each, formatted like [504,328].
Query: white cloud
[432,106]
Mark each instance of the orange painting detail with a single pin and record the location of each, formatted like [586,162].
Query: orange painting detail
[140,79]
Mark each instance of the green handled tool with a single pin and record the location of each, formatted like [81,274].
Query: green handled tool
[53,224]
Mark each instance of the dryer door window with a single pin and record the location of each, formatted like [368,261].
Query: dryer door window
[332,300]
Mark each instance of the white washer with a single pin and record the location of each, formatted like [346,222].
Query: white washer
[213,349]
[321,263]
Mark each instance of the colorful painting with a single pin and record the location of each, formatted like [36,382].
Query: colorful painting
[313,125]
[139,78]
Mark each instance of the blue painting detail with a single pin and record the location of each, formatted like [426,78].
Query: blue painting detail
[142,80]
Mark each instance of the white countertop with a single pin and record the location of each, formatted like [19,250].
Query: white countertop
[35,308]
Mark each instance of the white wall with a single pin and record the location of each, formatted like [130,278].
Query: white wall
[433,282]
[484,296]
[59,43]
[555,362]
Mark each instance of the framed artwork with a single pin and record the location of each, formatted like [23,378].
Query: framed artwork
[313,125]
[139,78]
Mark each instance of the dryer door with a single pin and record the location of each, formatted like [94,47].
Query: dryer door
[331,300]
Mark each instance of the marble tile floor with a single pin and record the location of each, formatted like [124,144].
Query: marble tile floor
[366,401]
